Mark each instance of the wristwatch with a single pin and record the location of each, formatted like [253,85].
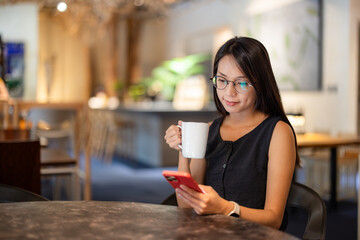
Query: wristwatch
[236,210]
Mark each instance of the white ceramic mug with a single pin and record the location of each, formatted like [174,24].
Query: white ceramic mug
[194,139]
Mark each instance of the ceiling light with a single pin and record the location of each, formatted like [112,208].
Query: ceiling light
[139,3]
[61,7]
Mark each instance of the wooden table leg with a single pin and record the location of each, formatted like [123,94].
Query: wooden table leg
[87,156]
[333,177]
[87,188]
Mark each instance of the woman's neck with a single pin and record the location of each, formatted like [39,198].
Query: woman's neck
[245,119]
[236,126]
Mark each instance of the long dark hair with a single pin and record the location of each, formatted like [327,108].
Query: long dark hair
[253,59]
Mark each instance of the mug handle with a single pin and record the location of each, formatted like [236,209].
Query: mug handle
[180,146]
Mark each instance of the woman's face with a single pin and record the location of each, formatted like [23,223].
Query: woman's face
[233,101]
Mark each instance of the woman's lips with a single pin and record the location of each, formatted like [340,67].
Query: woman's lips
[230,103]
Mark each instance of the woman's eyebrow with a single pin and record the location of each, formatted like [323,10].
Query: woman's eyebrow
[220,73]
[224,75]
[241,77]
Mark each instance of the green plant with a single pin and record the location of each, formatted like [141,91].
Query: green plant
[164,78]
[119,87]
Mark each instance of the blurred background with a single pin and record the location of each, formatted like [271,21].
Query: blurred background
[120,47]
[131,68]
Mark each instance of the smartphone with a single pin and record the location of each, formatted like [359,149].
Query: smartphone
[178,178]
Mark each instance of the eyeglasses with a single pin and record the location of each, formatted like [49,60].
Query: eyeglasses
[241,86]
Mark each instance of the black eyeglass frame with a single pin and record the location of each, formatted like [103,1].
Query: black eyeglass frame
[213,79]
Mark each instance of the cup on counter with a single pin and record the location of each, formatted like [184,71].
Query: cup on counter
[194,139]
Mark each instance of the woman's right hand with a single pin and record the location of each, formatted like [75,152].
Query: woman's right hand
[173,136]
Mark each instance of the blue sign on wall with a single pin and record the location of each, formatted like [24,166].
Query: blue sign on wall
[14,65]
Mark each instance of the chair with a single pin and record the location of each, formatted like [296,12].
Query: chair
[10,194]
[170,200]
[126,129]
[101,132]
[108,131]
[300,196]
[58,131]
[20,164]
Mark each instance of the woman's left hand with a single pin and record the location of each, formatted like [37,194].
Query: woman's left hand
[204,203]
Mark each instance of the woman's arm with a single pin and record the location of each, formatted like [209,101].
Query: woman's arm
[280,171]
[281,165]
[4,94]
[196,167]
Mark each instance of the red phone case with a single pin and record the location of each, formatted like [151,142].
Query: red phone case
[178,178]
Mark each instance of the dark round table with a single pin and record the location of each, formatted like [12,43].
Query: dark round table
[121,220]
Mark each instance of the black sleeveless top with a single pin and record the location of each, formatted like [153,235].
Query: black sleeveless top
[238,170]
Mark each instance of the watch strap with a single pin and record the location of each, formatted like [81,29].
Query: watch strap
[236,210]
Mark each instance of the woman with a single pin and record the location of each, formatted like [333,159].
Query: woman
[4,94]
[251,149]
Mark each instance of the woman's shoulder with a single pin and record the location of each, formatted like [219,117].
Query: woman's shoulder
[283,130]
[216,122]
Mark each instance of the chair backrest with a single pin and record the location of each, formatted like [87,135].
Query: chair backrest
[20,164]
[170,200]
[52,116]
[304,197]
[58,121]
[54,123]
[14,194]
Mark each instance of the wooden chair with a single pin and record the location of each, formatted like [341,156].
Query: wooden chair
[107,131]
[60,153]
[101,129]
[10,194]
[20,164]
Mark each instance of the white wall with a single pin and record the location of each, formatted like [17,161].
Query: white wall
[152,42]
[66,57]
[328,110]
[20,23]
[354,55]
[204,18]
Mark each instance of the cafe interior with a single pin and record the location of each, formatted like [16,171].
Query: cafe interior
[89,87]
